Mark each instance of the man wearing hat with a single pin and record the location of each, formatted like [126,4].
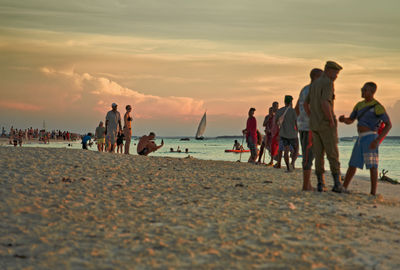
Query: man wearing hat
[319,105]
[113,122]
[286,119]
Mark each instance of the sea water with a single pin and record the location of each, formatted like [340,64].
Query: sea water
[214,149]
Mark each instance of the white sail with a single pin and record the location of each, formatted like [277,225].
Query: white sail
[202,127]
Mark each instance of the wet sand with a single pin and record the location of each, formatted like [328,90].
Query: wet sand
[66,208]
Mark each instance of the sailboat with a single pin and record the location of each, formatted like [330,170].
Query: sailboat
[201,128]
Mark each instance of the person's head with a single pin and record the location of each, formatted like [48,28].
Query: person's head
[128,108]
[101,124]
[368,90]
[271,111]
[89,134]
[315,73]
[236,141]
[332,70]
[251,111]
[114,106]
[152,135]
[275,106]
[186,150]
[288,100]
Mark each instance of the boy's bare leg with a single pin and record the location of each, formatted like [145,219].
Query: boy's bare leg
[351,171]
[374,180]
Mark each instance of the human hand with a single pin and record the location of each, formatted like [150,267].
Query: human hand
[373,144]
[341,118]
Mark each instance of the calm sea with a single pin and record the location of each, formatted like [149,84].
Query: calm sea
[214,149]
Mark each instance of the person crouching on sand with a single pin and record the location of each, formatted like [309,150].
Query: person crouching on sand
[146,144]
[85,140]
[369,114]
[120,142]
[251,135]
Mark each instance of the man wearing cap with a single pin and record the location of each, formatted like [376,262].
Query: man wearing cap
[319,105]
[303,124]
[286,119]
[100,135]
[128,128]
[113,122]
[251,135]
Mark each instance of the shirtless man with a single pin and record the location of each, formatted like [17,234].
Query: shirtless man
[128,128]
[147,145]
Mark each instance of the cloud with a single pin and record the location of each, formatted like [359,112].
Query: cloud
[19,106]
[101,92]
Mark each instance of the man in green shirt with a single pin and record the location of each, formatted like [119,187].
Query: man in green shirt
[319,105]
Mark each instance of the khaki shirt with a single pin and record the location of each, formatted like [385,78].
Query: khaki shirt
[321,89]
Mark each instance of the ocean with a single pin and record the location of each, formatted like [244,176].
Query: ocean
[214,149]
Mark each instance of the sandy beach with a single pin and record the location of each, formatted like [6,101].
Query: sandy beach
[75,209]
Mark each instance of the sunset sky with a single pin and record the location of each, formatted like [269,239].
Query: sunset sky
[65,62]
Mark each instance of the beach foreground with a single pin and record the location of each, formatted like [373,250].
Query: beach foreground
[64,208]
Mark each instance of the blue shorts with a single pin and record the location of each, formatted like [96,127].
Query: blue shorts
[362,154]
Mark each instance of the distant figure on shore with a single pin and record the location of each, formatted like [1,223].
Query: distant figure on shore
[319,106]
[146,144]
[113,122]
[86,140]
[178,149]
[186,150]
[100,135]
[286,120]
[303,124]
[237,146]
[171,149]
[275,137]
[3,132]
[128,128]
[370,115]
[251,135]
[120,141]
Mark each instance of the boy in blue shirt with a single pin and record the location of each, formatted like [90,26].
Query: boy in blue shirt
[85,141]
[369,114]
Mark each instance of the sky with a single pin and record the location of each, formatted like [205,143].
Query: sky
[65,62]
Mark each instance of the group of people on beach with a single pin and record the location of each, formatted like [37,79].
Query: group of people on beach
[313,119]
[111,135]
[18,136]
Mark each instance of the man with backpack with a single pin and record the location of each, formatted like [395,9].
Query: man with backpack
[370,115]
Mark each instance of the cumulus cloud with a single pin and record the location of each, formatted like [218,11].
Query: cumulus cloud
[101,92]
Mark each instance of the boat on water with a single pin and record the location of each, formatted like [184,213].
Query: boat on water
[201,128]
[185,139]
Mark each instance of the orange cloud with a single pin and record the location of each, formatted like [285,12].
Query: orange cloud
[19,106]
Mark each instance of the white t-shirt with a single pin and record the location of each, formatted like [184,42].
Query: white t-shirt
[303,121]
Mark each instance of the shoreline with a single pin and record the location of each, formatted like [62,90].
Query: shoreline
[84,209]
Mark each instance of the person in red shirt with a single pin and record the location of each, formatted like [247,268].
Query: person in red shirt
[251,135]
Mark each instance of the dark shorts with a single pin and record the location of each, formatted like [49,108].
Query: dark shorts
[143,152]
[289,142]
[306,149]
[252,146]
[84,146]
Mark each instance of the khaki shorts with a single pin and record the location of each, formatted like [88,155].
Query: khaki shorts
[101,141]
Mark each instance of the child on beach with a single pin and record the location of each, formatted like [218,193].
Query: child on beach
[120,142]
[86,140]
[369,114]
